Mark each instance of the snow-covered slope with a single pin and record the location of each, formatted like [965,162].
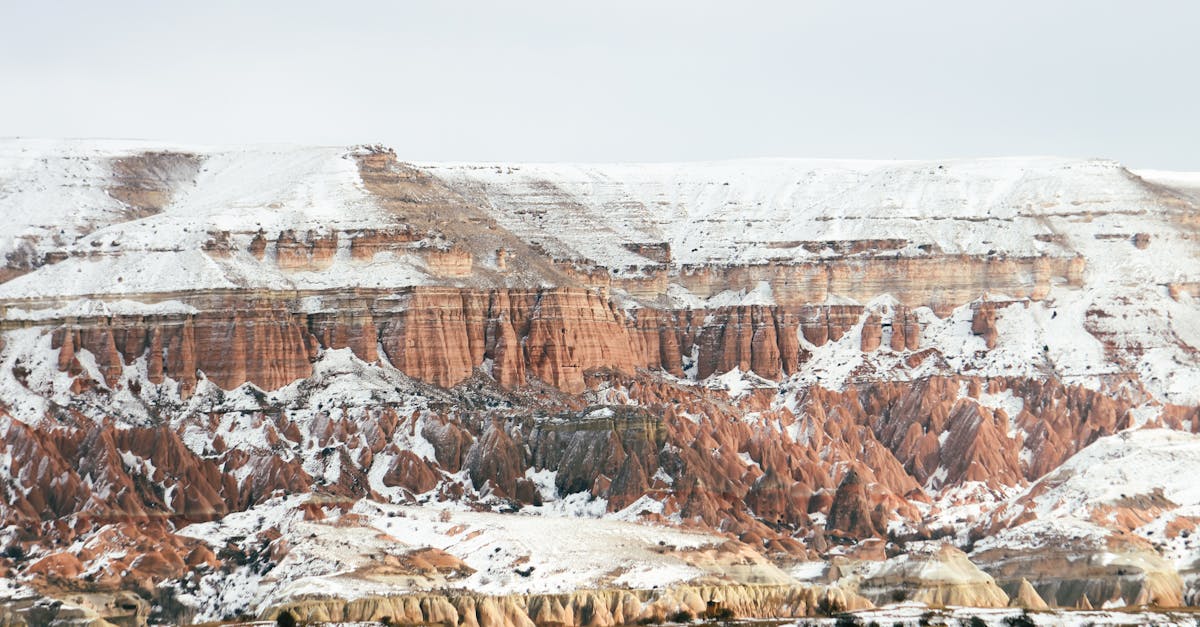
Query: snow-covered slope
[500,554]
[1117,467]
[761,210]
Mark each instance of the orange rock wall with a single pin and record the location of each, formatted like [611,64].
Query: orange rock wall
[441,335]
[261,343]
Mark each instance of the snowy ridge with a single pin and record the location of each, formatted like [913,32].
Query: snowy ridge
[758,210]
[58,198]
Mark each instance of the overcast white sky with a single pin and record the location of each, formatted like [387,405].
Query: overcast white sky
[617,81]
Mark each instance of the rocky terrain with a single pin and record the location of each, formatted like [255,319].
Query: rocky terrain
[237,382]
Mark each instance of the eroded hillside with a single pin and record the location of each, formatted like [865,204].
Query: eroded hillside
[238,380]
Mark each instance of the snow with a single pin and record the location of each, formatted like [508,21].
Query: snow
[510,553]
[86,308]
[1062,336]
[30,400]
[56,189]
[279,513]
[1065,503]
[1179,180]
[681,298]
[960,506]
[737,383]
[544,479]
[809,571]
[736,212]
[1124,465]
[771,211]
[1127,318]
[754,210]
[582,554]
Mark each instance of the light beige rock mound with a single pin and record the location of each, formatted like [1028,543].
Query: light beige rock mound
[937,577]
[1028,598]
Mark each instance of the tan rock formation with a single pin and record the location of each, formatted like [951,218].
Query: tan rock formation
[1028,598]
[938,281]
[938,578]
[366,243]
[449,263]
[596,608]
[1066,572]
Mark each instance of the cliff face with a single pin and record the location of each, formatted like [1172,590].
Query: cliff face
[441,336]
[256,342]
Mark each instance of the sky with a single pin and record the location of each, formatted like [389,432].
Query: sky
[616,80]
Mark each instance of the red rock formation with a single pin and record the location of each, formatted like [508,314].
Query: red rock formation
[851,513]
[872,333]
[755,338]
[260,343]
[441,335]
[570,333]
[906,331]
[314,252]
[347,328]
[983,322]
[366,243]
[429,339]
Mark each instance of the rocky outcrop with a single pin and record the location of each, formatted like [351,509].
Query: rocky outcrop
[1067,574]
[312,251]
[93,610]
[906,331]
[366,243]
[551,338]
[753,339]
[145,182]
[441,336]
[983,322]
[597,608]
[938,281]
[938,578]
[872,333]
[851,514]
[1028,598]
